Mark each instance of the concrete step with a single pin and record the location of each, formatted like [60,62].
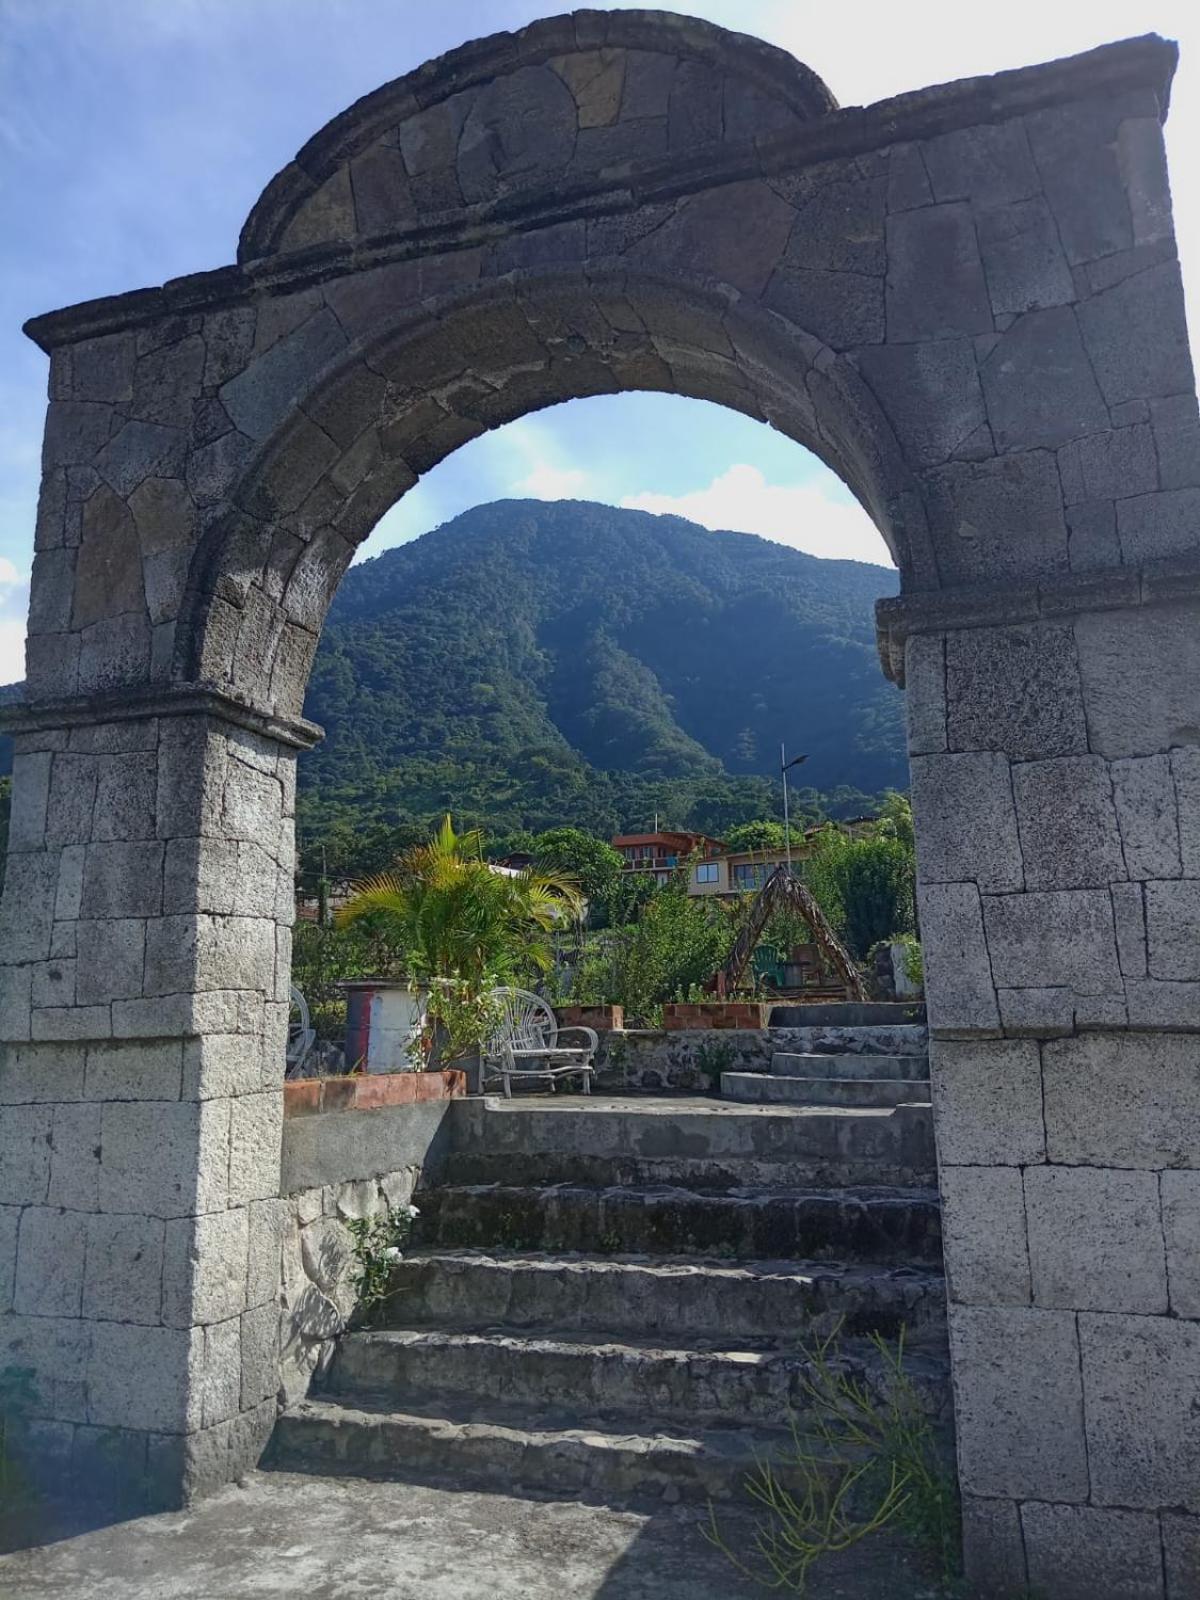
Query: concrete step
[693,1142]
[842,1093]
[641,1295]
[789,1064]
[882,1225]
[566,1457]
[891,1039]
[849,1014]
[752,1382]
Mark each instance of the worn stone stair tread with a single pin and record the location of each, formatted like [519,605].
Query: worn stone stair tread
[554,1261]
[814,1064]
[840,1094]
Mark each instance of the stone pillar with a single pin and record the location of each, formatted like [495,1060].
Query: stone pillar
[1055,739]
[145,946]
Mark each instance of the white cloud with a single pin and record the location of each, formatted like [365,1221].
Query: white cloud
[798,514]
[14,606]
[546,482]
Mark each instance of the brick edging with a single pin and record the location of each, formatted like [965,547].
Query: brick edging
[307,1097]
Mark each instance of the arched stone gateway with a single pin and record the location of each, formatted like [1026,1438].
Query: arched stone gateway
[967,302]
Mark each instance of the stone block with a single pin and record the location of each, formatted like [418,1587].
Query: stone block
[1143,1445]
[1001,518]
[993,1550]
[140,450]
[1136,336]
[260,1355]
[1144,795]
[1069,836]
[983,1230]
[1180,1193]
[1181,1553]
[145,1378]
[1074,148]
[56,1348]
[1152,526]
[1092,536]
[72,800]
[125,796]
[1185,772]
[1129,919]
[1177,445]
[1015,690]
[53,983]
[935,282]
[908,181]
[32,1072]
[75,1157]
[102,369]
[25,1136]
[204,1268]
[987,1102]
[1095,1239]
[223,876]
[220,1377]
[1137,668]
[111,959]
[990,165]
[259,397]
[925,693]
[164,1159]
[930,394]
[50,1256]
[1173,930]
[1129,1100]
[967,829]
[70,1022]
[1110,465]
[958,978]
[15,1001]
[209,953]
[255,1135]
[1023,258]
[1162,1005]
[1079,1552]
[123,1280]
[1039,385]
[114,653]
[122,880]
[30,797]
[10,1217]
[268,1227]
[27,909]
[1062,937]
[221,1065]
[148,1070]
[1018,1403]
[252,806]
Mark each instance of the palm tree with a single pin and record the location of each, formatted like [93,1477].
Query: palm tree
[454,917]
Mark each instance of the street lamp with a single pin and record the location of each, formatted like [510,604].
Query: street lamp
[784,765]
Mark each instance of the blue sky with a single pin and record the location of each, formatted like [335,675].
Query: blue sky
[136,134]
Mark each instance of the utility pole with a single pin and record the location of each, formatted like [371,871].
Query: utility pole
[784,764]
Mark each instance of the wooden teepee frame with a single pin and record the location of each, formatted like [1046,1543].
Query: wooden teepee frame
[782,891]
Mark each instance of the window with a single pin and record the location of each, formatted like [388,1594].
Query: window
[749,875]
[708,872]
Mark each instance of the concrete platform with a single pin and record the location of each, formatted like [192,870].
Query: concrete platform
[283,1536]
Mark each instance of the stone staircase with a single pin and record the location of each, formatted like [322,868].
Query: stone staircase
[864,1068]
[611,1299]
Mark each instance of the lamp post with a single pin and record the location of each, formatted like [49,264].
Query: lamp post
[784,765]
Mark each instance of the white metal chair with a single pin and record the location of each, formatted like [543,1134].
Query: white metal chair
[526,1044]
[302,1036]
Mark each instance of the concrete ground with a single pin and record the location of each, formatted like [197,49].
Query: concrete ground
[285,1535]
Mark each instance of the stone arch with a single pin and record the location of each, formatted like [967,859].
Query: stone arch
[416,385]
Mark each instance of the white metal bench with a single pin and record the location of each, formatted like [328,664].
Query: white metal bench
[527,1044]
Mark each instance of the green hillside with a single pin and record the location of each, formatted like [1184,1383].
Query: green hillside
[531,663]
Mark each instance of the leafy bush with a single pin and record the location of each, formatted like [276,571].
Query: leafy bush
[864,886]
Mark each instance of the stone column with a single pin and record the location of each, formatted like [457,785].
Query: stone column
[145,946]
[1055,739]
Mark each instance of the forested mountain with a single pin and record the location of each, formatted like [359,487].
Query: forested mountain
[531,663]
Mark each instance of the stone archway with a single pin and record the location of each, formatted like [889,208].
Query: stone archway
[967,302]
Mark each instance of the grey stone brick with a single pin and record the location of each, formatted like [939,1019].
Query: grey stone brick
[1111,465]
[15,999]
[123,1280]
[71,1022]
[1181,1552]
[958,979]
[34,1072]
[1162,1005]
[207,952]
[101,369]
[75,1157]
[1078,1552]
[999,519]
[1129,1100]
[993,1550]
[1178,449]
[1023,258]
[1144,795]
[930,393]
[75,431]
[114,652]
[925,693]
[1142,160]
[1151,526]
[1039,385]
[1136,336]
[141,1377]
[72,799]
[221,1375]
[147,1070]
[935,283]
[990,165]
[252,806]
[220,1065]
[30,796]
[260,1355]
[53,983]
[968,825]
[1074,148]
[1143,1448]
[1137,669]
[983,1211]
[10,1217]
[1068,824]
[27,909]
[268,1227]
[122,880]
[1180,1193]
[1185,772]
[1018,1403]
[1059,937]
[261,396]
[204,1268]
[25,1154]
[50,1255]
[68,896]
[1095,1239]
[111,959]
[56,1348]
[125,796]
[140,450]
[1129,919]
[164,1159]
[255,1134]
[1173,930]
[987,1102]
[167,381]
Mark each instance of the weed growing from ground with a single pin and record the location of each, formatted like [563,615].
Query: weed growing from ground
[377,1244]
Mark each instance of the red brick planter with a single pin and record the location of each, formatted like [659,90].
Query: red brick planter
[717,1014]
[603,1018]
[369,1091]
